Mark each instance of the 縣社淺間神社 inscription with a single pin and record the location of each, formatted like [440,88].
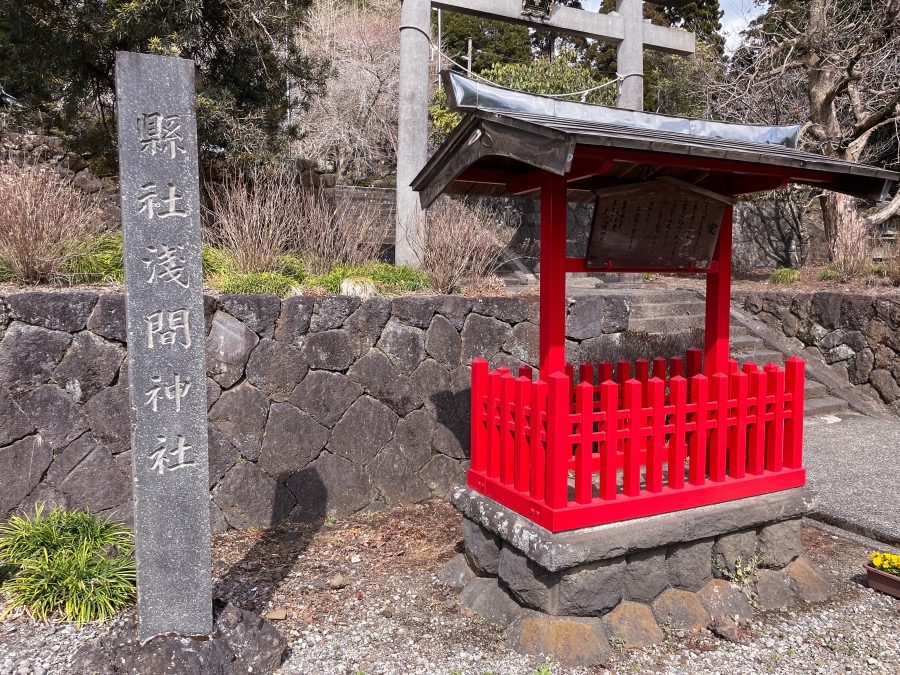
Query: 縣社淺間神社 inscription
[160,202]
[659,224]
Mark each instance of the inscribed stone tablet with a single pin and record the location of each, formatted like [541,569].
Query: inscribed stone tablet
[160,201]
[659,224]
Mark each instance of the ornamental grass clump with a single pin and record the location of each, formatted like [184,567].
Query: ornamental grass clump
[886,562]
[74,563]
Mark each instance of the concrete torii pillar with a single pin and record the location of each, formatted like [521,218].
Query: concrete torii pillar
[625,26]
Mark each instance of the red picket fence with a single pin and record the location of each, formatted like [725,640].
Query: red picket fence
[615,447]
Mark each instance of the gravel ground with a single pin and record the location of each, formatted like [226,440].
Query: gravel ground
[361,596]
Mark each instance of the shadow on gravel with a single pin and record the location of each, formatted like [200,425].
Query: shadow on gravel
[250,582]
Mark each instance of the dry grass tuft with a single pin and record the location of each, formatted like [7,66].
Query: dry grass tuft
[464,243]
[44,222]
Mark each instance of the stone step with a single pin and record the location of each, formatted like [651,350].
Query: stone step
[739,330]
[651,310]
[745,343]
[825,405]
[814,390]
[760,357]
[640,296]
[666,324]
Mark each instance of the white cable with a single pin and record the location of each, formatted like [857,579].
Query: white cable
[582,93]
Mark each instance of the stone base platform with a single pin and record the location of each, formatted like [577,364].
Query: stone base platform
[576,593]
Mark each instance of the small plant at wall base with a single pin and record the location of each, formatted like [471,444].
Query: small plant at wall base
[71,562]
[785,275]
[883,573]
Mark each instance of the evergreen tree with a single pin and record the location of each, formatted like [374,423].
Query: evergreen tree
[702,17]
[492,41]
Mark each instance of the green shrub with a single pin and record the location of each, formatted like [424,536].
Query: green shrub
[6,272]
[215,262]
[785,275]
[293,267]
[272,283]
[71,562]
[388,279]
[102,261]
[829,275]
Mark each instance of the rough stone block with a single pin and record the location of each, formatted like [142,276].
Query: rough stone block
[213,392]
[109,418]
[885,384]
[809,584]
[680,610]
[443,343]
[228,347]
[292,440]
[645,575]
[593,589]
[529,583]
[730,549]
[414,310]
[403,345]
[89,366]
[326,396]
[381,381]
[482,337]
[250,498]
[332,311]
[456,573]
[276,368]
[826,309]
[575,641]
[722,599]
[21,466]
[861,366]
[241,415]
[221,452]
[432,381]
[455,309]
[489,601]
[506,309]
[29,354]
[523,343]
[585,317]
[329,350]
[482,548]
[365,324]
[443,474]
[293,324]
[67,311]
[108,318]
[394,471]
[452,438]
[634,625]
[58,419]
[332,485]
[88,474]
[779,544]
[366,427]
[773,589]
[15,423]
[689,565]
[46,496]
[258,312]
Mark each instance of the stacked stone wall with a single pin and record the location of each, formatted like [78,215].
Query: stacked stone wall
[316,405]
[859,335]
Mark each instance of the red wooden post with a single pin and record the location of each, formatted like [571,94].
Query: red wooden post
[609,402]
[699,394]
[507,440]
[523,405]
[718,442]
[757,436]
[694,362]
[586,373]
[633,406]
[642,370]
[659,368]
[676,367]
[480,425]
[793,428]
[558,448]
[775,436]
[493,463]
[678,397]
[526,371]
[604,372]
[584,406]
[623,371]
[553,276]
[537,428]
[737,451]
[656,389]
[718,301]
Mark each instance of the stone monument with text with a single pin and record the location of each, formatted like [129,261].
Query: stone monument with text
[160,202]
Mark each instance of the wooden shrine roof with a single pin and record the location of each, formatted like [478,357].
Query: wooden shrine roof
[503,153]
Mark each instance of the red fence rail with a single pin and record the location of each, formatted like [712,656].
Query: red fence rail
[620,444]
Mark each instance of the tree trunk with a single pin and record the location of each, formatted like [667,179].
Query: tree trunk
[845,228]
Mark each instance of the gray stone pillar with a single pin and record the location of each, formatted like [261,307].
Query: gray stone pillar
[412,142]
[630,55]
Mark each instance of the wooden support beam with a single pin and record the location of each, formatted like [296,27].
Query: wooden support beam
[552,342]
[718,302]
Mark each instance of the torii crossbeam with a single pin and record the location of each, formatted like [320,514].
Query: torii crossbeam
[626,27]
